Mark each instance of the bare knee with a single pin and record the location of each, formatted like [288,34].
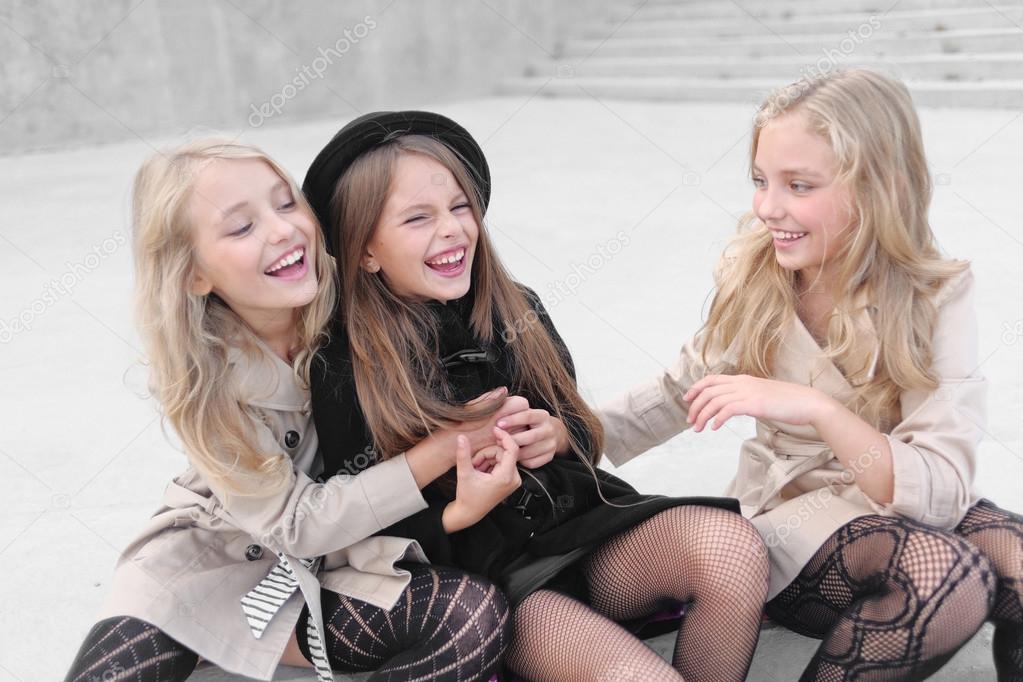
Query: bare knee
[293,654]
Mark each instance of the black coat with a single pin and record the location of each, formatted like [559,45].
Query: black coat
[530,538]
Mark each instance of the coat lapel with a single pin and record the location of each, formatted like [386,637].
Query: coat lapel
[801,359]
[264,380]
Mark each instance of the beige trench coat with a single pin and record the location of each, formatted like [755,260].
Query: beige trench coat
[202,551]
[788,482]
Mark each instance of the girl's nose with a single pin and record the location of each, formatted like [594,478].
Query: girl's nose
[449,226]
[279,229]
[770,207]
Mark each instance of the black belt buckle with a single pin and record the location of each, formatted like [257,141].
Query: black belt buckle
[522,505]
[469,356]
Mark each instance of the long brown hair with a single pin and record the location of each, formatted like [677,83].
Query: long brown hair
[395,342]
[890,260]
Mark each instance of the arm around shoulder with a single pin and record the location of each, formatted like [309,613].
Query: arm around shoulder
[307,519]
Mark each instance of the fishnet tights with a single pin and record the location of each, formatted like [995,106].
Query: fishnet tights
[892,599]
[125,648]
[711,560]
[447,626]
[998,534]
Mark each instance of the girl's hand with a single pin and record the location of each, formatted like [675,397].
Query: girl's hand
[481,431]
[538,435]
[721,397]
[478,492]
[486,459]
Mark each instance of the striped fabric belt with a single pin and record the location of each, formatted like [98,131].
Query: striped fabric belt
[263,601]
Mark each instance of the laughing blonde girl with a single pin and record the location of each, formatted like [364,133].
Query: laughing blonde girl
[250,562]
[839,326]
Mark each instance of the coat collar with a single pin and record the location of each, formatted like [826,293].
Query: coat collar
[861,362]
[800,349]
[264,380]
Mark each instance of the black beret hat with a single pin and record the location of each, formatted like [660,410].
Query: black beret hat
[376,128]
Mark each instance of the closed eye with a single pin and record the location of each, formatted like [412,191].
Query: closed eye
[242,230]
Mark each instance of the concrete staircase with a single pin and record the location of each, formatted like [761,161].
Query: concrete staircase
[950,52]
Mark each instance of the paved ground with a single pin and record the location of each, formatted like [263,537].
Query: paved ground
[82,457]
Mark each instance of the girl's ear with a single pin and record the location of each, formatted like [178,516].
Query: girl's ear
[369,263]
[200,285]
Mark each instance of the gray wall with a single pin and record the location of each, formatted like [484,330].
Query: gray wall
[77,73]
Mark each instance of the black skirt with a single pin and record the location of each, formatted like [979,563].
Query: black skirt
[564,510]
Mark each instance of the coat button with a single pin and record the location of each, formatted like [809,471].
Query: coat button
[291,439]
[253,552]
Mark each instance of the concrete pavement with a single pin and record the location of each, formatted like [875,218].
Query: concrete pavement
[614,211]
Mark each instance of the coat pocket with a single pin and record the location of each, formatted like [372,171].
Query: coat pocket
[174,551]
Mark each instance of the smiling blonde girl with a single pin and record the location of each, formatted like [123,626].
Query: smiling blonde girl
[839,326]
[250,562]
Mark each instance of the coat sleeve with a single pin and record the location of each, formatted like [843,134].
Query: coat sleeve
[308,519]
[653,412]
[427,528]
[934,447]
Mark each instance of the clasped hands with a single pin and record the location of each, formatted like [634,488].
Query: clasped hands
[488,452]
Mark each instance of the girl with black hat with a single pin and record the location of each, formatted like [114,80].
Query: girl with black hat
[428,319]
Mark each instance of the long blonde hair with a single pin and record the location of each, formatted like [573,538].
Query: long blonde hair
[869,121]
[187,336]
[394,342]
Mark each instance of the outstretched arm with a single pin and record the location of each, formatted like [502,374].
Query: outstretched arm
[924,468]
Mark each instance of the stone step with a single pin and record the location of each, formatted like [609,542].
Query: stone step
[938,67]
[781,655]
[771,8]
[1001,94]
[810,46]
[863,23]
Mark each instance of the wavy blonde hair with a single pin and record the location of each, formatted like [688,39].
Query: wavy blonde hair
[869,121]
[187,336]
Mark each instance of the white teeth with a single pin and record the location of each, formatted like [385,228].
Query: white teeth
[453,258]
[787,235]
[291,258]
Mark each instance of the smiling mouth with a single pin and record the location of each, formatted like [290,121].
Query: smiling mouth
[783,236]
[448,262]
[290,264]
